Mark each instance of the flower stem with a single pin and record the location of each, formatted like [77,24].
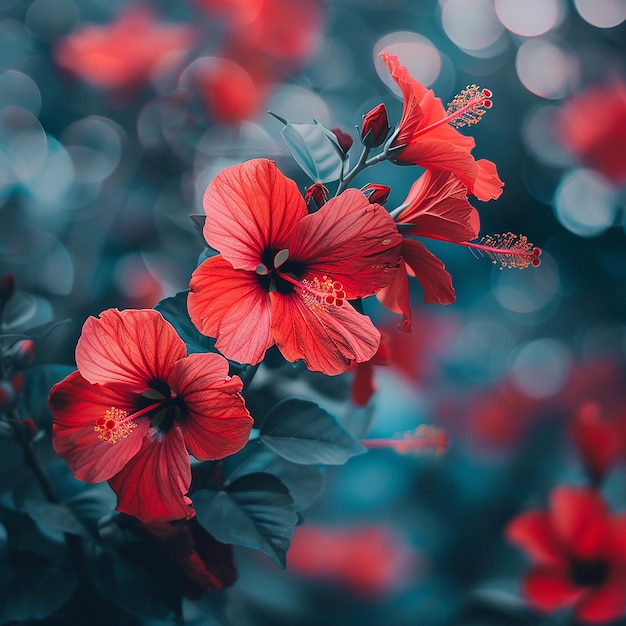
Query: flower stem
[361,164]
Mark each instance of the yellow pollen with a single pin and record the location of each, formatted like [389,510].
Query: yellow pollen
[320,294]
[112,427]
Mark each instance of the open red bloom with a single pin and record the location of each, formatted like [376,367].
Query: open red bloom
[283,276]
[126,53]
[137,404]
[437,208]
[579,551]
[426,137]
[591,127]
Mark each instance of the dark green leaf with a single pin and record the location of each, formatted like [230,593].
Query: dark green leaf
[56,516]
[304,482]
[38,381]
[303,432]
[255,511]
[174,310]
[31,587]
[138,578]
[315,149]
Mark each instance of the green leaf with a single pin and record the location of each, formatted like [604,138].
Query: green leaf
[38,381]
[56,516]
[31,587]
[304,482]
[255,511]
[174,310]
[303,432]
[315,149]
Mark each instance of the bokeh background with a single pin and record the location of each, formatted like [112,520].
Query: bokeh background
[114,116]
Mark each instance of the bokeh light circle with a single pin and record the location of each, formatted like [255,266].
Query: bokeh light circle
[585,203]
[546,69]
[529,18]
[540,367]
[418,54]
[529,290]
[602,13]
[471,24]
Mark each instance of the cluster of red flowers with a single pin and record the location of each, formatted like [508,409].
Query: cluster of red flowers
[290,272]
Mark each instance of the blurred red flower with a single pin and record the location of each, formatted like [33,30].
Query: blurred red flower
[436,207]
[283,276]
[597,140]
[426,137]
[372,561]
[125,54]
[578,548]
[137,404]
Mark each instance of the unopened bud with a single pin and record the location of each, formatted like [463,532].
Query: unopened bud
[7,287]
[29,422]
[375,127]
[17,382]
[22,353]
[376,194]
[315,196]
[345,141]
[7,395]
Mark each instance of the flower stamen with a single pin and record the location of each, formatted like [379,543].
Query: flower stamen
[466,108]
[318,294]
[507,249]
[116,424]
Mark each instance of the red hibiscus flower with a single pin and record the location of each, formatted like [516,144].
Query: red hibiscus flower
[124,54]
[598,141]
[436,207]
[426,135]
[137,404]
[284,277]
[579,551]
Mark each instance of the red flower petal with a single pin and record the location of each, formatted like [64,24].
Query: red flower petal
[580,519]
[532,531]
[232,306]
[437,204]
[606,603]
[132,348]
[250,208]
[216,422]
[328,340]
[441,155]
[153,484]
[487,185]
[616,546]
[429,271]
[395,296]
[76,405]
[550,588]
[351,240]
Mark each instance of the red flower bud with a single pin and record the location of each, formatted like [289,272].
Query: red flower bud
[375,127]
[17,382]
[315,196]
[7,287]
[376,194]
[22,353]
[30,424]
[345,141]
[7,395]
